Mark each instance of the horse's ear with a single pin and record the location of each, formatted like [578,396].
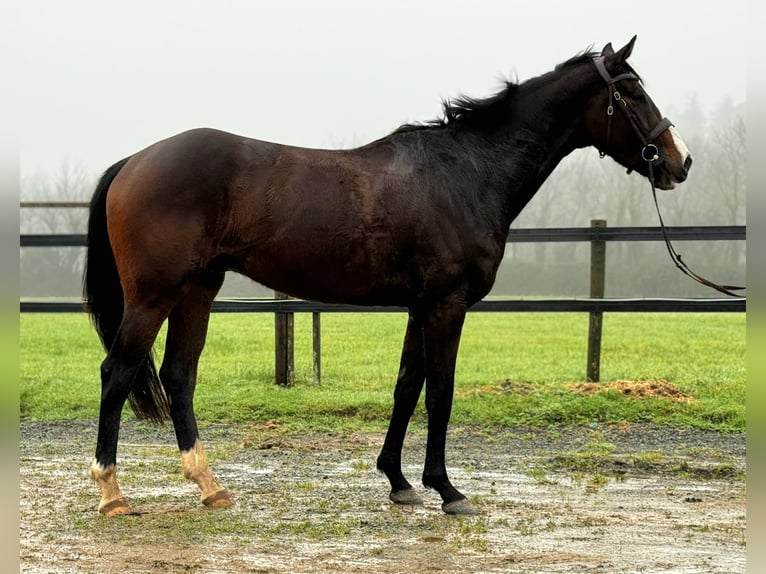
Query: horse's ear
[608,50]
[625,52]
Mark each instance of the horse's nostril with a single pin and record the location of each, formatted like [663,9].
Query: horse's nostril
[688,164]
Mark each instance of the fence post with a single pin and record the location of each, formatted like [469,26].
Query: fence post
[316,337]
[284,358]
[597,276]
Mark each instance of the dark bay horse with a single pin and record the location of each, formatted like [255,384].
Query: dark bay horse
[416,219]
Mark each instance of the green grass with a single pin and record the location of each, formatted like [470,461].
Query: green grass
[703,355]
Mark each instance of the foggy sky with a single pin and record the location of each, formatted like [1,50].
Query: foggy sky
[101,80]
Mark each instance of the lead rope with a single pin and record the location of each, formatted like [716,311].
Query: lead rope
[676,257]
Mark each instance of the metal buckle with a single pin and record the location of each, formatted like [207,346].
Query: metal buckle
[650,153]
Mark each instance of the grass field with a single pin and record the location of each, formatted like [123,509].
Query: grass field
[513,369]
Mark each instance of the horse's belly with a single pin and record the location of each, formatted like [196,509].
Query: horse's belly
[330,280]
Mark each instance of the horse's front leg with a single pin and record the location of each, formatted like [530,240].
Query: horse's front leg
[409,385]
[443,328]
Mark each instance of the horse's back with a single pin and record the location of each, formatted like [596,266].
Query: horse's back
[292,218]
[334,225]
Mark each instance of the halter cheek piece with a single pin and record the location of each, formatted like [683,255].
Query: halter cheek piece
[650,152]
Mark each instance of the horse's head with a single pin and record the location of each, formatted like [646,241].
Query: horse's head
[624,123]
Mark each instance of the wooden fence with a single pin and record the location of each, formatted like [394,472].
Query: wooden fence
[598,235]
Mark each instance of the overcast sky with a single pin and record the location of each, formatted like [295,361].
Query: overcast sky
[101,80]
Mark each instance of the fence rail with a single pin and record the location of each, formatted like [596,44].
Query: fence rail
[521,235]
[598,234]
[55,204]
[576,305]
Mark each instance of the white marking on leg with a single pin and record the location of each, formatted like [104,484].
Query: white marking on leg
[681,148]
[111,497]
[195,467]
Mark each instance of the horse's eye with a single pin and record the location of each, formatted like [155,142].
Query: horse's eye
[637,95]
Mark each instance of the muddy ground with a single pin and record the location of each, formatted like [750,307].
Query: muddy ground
[586,500]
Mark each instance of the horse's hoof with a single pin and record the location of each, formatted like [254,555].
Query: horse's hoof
[460,507]
[116,507]
[407,496]
[219,499]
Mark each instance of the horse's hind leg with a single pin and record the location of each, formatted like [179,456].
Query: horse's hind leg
[127,355]
[187,328]
[409,385]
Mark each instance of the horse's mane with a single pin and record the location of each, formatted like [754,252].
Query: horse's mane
[468,111]
[482,112]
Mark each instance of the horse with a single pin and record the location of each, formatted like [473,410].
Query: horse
[416,219]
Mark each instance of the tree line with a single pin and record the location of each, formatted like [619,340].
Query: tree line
[582,188]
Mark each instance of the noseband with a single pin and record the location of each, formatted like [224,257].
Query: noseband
[650,153]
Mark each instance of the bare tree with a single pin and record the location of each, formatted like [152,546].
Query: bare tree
[47,271]
[729,175]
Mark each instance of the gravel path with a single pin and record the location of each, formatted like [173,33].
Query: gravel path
[610,500]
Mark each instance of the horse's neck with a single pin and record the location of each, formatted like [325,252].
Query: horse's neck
[533,145]
[498,173]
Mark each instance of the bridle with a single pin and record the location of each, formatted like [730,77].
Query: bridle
[650,153]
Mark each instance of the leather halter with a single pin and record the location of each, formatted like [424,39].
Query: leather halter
[650,153]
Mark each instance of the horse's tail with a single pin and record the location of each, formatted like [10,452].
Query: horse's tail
[104,300]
